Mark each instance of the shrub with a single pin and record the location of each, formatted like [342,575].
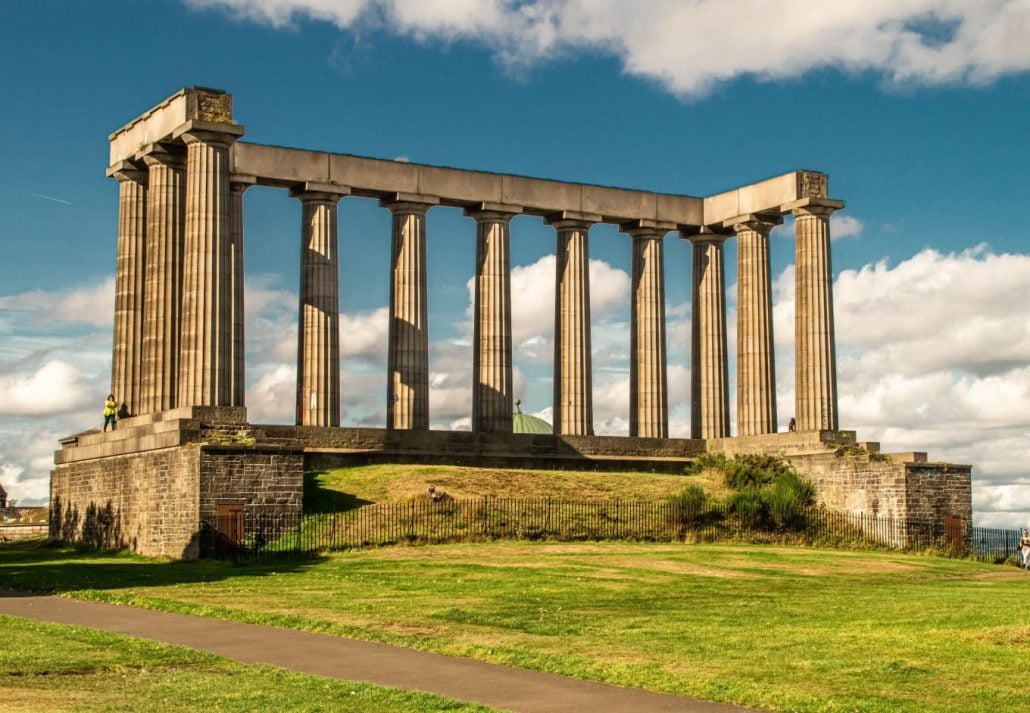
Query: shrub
[749,507]
[788,500]
[708,461]
[687,506]
[755,471]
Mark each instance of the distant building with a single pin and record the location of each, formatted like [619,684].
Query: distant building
[524,423]
[3,497]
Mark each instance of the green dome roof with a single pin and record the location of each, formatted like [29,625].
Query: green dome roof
[524,423]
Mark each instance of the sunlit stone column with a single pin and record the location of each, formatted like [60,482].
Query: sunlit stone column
[166,219]
[407,387]
[756,371]
[815,361]
[648,389]
[709,388]
[129,286]
[318,335]
[573,395]
[237,375]
[205,361]
[491,344]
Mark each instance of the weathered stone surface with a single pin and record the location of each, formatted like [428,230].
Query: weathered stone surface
[166,220]
[318,348]
[815,359]
[491,343]
[237,345]
[129,289]
[573,393]
[709,381]
[648,395]
[756,375]
[205,363]
[407,404]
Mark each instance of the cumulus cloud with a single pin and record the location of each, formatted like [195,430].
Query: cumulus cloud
[690,48]
[90,304]
[56,387]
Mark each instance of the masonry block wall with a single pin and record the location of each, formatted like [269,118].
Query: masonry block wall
[266,481]
[146,502]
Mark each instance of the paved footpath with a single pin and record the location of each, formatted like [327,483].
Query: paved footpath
[352,660]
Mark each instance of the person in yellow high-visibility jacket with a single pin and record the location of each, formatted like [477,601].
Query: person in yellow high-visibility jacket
[110,409]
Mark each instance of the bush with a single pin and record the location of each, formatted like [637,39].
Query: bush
[689,506]
[708,461]
[788,500]
[750,508]
[755,471]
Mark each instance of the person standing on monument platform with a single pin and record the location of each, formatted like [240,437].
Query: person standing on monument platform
[110,409]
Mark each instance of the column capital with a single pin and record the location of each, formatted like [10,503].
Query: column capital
[163,155]
[128,171]
[572,219]
[408,203]
[240,182]
[704,235]
[643,228]
[319,192]
[812,206]
[758,222]
[493,212]
[210,132]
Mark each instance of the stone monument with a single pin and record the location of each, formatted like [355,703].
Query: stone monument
[188,454]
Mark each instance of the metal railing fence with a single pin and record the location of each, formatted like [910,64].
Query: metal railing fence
[423,521]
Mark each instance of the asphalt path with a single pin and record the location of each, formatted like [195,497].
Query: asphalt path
[338,657]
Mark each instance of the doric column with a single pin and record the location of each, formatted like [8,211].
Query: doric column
[166,218]
[573,397]
[756,370]
[318,329]
[407,389]
[129,286]
[648,390]
[205,361]
[815,361]
[237,347]
[491,344]
[709,388]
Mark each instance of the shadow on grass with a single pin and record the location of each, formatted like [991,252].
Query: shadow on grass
[319,498]
[35,565]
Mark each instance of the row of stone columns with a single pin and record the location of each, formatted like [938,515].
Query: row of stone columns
[179,308]
[178,331]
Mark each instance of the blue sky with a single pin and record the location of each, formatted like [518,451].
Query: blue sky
[916,109]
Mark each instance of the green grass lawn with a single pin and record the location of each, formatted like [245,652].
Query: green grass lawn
[792,629]
[47,667]
[345,488]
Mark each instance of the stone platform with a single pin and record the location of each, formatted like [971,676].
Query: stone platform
[149,485]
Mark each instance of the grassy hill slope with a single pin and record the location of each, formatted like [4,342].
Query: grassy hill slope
[343,488]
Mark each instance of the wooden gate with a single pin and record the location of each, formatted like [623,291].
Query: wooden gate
[954,532]
[228,529]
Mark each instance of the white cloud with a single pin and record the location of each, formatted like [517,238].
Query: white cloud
[690,48]
[56,387]
[91,304]
[844,226]
[365,334]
